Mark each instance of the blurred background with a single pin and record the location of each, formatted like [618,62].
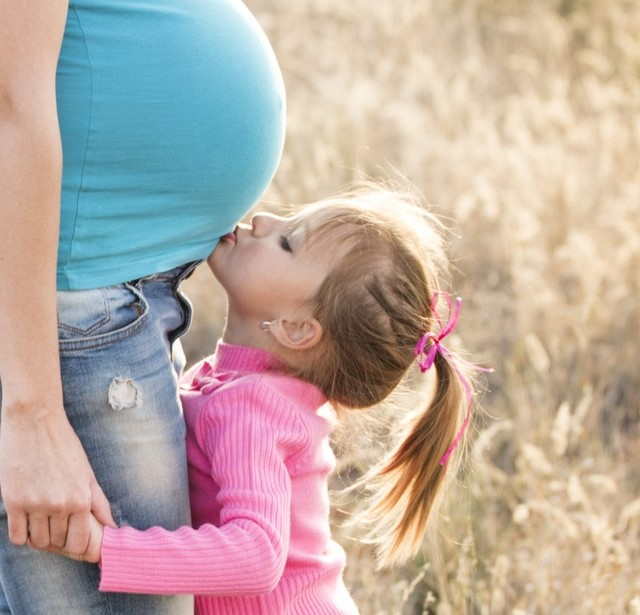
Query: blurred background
[519,123]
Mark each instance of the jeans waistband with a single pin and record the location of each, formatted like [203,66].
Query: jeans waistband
[177,274]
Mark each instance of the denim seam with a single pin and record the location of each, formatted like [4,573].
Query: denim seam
[105,339]
[93,327]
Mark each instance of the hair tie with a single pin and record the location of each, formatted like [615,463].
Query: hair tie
[430,344]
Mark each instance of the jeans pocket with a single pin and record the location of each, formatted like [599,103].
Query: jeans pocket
[87,317]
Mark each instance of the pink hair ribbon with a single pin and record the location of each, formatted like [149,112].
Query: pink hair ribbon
[430,344]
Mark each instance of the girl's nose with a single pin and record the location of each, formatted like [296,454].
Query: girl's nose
[262,224]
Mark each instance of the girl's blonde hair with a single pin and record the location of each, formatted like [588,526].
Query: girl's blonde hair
[374,306]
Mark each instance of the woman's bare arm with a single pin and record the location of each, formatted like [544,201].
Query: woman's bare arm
[47,484]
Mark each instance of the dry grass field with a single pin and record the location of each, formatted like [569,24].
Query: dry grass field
[519,122]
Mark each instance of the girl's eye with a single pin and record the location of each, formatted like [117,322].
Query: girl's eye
[284,244]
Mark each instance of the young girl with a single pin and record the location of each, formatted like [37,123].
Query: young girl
[335,303]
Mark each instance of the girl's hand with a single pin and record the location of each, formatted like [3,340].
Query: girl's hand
[92,552]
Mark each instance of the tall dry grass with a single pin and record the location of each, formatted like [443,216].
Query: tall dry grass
[520,123]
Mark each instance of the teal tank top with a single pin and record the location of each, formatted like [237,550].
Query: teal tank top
[172,116]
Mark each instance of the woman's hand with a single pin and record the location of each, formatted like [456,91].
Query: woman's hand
[50,492]
[48,487]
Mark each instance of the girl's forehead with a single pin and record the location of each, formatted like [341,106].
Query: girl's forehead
[317,218]
[322,232]
[307,216]
[314,228]
[303,224]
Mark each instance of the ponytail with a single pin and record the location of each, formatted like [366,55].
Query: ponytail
[405,488]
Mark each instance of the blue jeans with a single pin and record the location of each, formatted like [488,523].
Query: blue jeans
[120,361]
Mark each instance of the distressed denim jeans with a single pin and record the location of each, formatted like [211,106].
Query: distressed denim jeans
[120,362]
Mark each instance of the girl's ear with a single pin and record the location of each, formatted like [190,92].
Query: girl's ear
[296,334]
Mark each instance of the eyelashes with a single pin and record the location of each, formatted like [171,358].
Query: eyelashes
[284,244]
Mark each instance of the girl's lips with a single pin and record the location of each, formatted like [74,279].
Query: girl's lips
[230,236]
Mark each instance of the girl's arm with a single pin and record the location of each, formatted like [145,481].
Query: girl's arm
[246,554]
[47,485]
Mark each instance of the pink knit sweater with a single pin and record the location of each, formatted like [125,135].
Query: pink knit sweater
[259,458]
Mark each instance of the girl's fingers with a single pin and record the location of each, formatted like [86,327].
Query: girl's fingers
[78,534]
